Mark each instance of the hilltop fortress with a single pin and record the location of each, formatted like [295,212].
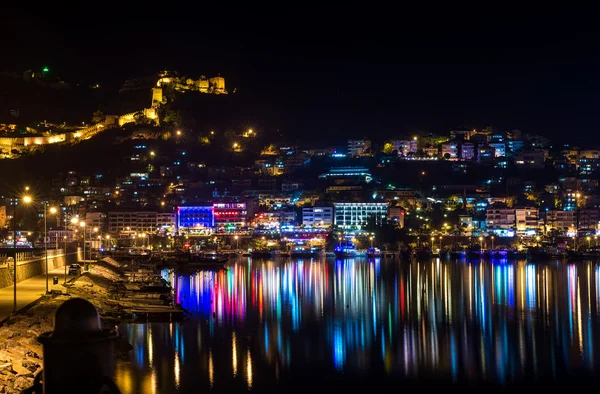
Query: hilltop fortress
[11,147]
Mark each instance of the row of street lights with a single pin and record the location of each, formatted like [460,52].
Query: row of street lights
[82,224]
[27,199]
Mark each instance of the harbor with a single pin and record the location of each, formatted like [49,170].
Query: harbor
[367,315]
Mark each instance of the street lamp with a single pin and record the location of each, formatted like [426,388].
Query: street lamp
[440,244]
[589,239]
[371,238]
[52,211]
[537,239]
[65,239]
[237,245]
[432,239]
[481,243]
[82,225]
[15,250]
[492,237]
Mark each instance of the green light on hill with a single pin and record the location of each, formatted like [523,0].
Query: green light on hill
[45,69]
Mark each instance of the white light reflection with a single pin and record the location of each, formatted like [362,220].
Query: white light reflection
[249,370]
[177,369]
[211,369]
[150,347]
[234,356]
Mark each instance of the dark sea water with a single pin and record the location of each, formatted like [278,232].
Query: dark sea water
[378,325]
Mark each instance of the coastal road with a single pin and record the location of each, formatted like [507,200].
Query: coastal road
[29,290]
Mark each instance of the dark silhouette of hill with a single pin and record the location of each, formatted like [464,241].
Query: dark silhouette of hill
[206,112]
[74,104]
[109,153]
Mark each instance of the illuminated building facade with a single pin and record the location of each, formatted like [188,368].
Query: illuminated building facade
[527,219]
[450,150]
[317,216]
[131,222]
[404,147]
[467,151]
[199,216]
[353,174]
[349,215]
[560,220]
[501,220]
[358,147]
[230,213]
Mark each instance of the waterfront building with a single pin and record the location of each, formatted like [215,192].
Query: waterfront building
[195,218]
[351,215]
[317,216]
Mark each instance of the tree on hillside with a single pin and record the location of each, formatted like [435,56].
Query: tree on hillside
[98,116]
[167,114]
[388,148]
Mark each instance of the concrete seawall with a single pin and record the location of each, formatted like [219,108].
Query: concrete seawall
[30,268]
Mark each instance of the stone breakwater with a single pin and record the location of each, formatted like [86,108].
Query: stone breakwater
[20,352]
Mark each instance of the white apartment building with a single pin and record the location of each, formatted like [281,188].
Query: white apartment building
[350,215]
[131,222]
[95,219]
[317,216]
[450,149]
[560,220]
[404,147]
[166,219]
[56,238]
[527,220]
[358,147]
[500,218]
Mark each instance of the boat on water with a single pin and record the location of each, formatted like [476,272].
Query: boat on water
[201,266]
[405,253]
[457,254]
[474,252]
[306,252]
[517,254]
[208,261]
[423,253]
[538,253]
[499,253]
[205,257]
[345,250]
[374,252]
[261,253]
[587,254]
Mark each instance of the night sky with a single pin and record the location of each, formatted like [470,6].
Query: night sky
[366,71]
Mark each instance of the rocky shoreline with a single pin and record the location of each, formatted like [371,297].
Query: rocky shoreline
[21,353]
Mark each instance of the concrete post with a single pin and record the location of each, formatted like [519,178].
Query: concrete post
[78,354]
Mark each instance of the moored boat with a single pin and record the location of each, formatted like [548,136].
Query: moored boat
[345,250]
[261,253]
[458,254]
[306,252]
[373,252]
[423,253]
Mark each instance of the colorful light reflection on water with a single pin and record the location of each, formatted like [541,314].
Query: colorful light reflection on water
[257,323]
